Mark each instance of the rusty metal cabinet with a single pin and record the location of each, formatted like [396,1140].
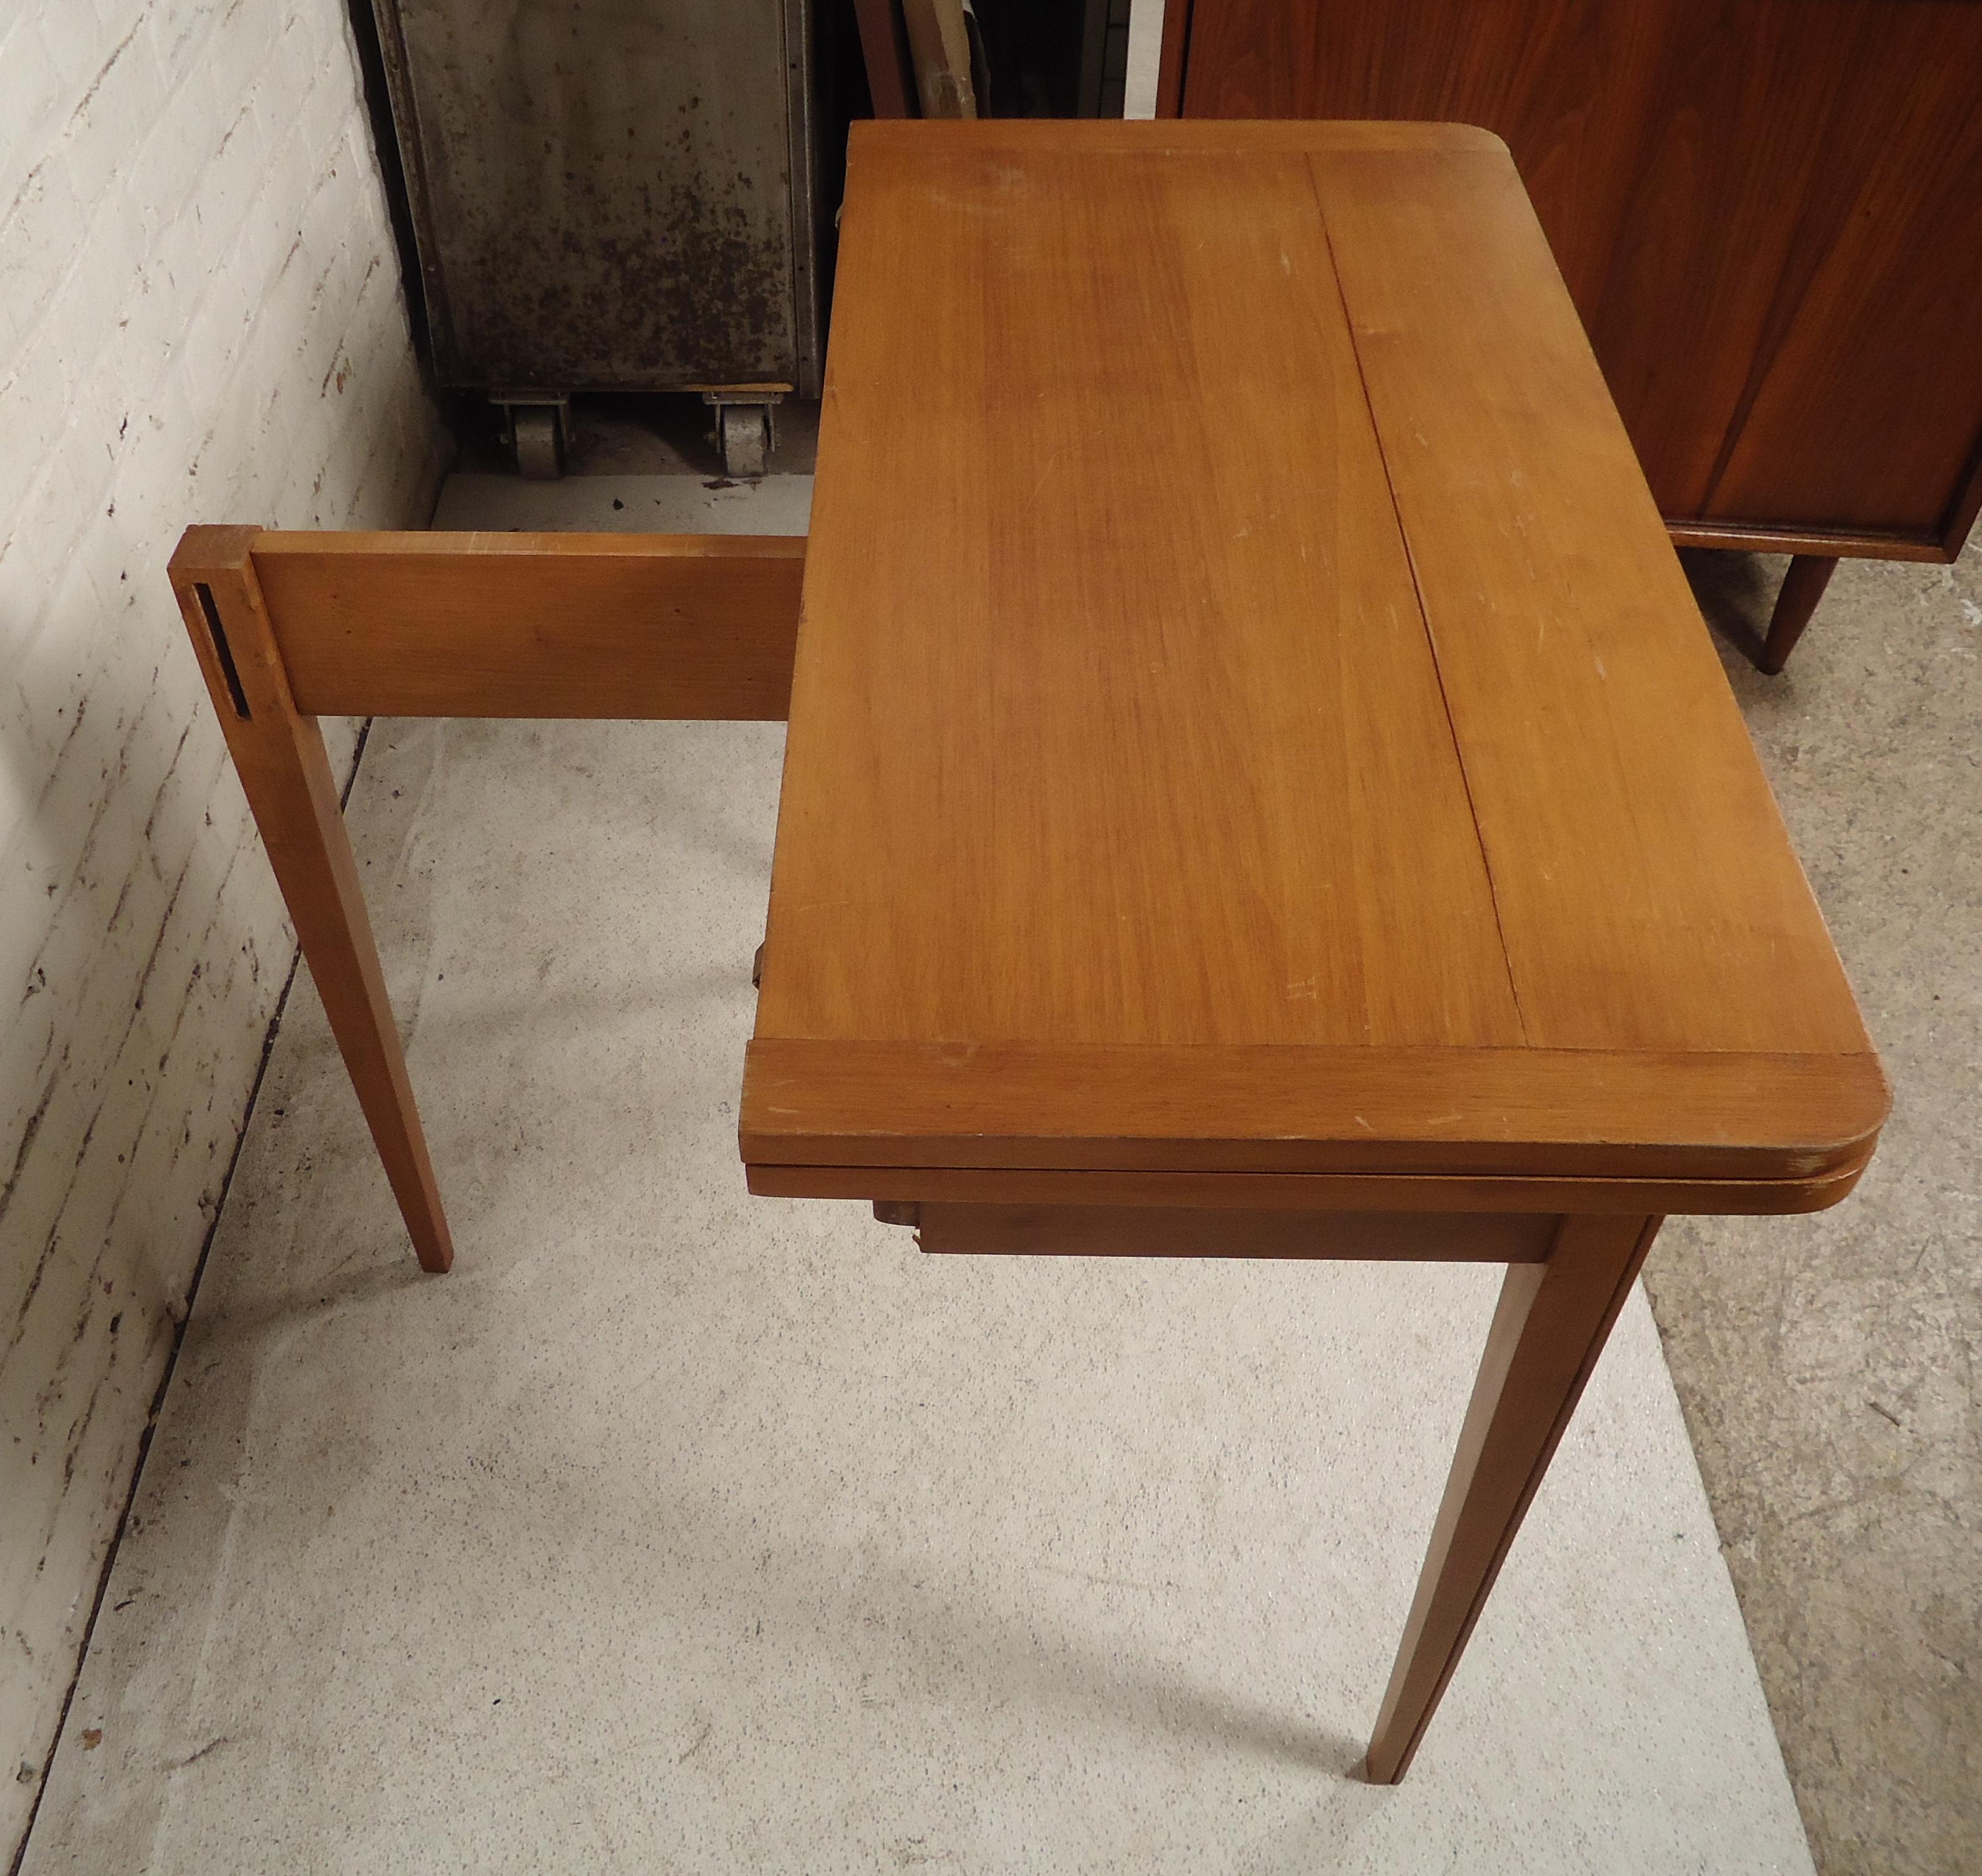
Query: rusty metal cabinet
[610,194]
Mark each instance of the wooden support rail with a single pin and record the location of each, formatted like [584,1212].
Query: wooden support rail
[681,625]
[289,627]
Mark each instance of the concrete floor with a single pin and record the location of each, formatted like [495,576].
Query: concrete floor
[1828,1366]
[681,1530]
[1144,1623]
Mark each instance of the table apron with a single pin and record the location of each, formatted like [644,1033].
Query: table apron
[1302,1192]
[1227,1231]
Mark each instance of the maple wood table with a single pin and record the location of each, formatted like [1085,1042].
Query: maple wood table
[1257,782]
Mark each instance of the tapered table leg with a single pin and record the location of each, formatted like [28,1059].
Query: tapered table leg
[1802,587]
[1551,1325]
[284,768]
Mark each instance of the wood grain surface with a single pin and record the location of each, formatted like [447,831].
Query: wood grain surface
[1230,1231]
[1639,865]
[884,50]
[278,753]
[1769,214]
[1245,679]
[1548,1331]
[654,626]
[1700,1113]
[912,1185]
[1166,623]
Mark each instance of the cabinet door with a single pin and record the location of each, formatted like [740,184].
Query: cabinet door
[1862,410]
[1769,213]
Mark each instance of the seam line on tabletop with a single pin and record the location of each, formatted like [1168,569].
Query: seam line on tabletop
[1417,589]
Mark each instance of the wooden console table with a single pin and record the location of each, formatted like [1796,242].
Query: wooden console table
[1257,784]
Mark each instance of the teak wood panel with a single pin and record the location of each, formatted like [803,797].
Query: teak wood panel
[688,626]
[1193,728]
[1121,722]
[1705,1114]
[1768,213]
[1640,864]
[1314,1192]
[1215,1231]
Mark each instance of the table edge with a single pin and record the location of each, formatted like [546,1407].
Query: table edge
[1194,136]
[1284,1108]
[1302,1192]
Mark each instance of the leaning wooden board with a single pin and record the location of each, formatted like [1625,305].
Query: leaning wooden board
[1248,718]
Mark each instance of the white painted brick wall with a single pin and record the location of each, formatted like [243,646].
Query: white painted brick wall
[200,319]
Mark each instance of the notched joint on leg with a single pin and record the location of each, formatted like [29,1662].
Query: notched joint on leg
[222,651]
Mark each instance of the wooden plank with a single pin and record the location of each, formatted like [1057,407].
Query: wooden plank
[279,756]
[1211,1231]
[1513,1112]
[884,51]
[692,626]
[1173,58]
[1647,893]
[940,44]
[913,1185]
[1114,720]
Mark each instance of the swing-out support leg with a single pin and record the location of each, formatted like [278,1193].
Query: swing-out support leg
[280,757]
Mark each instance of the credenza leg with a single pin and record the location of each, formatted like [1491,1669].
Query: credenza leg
[1802,587]
[1550,1327]
[285,771]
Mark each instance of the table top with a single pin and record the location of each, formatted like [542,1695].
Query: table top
[1248,715]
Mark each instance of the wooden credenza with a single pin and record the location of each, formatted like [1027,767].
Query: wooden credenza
[1769,214]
